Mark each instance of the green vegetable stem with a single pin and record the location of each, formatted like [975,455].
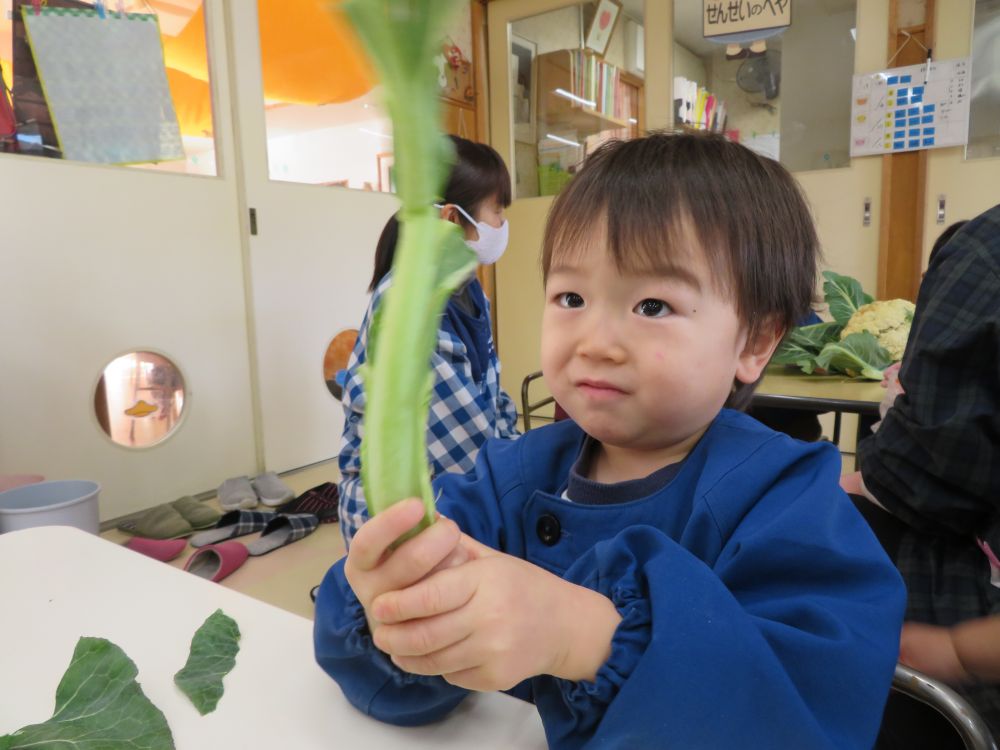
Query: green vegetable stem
[402,37]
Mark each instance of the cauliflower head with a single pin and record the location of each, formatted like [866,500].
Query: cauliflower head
[887,320]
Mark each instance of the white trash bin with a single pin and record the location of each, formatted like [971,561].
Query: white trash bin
[65,502]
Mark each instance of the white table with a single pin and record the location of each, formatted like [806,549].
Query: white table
[59,583]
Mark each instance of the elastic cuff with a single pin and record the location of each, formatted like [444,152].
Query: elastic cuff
[628,644]
[359,642]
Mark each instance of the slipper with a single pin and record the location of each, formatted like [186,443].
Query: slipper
[217,561]
[232,524]
[161,522]
[159,549]
[199,515]
[321,501]
[283,530]
[271,490]
[237,493]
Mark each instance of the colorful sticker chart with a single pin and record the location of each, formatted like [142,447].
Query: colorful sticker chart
[910,108]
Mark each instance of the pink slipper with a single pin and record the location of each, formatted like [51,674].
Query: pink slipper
[158,549]
[216,561]
[10,481]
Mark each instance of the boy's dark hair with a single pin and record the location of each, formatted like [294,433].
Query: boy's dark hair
[943,238]
[477,175]
[656,194]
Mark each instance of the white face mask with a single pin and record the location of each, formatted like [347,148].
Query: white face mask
[492,240]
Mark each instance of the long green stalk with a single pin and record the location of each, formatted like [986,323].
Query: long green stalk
[402,37]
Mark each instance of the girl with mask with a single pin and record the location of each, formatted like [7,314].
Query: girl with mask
[468,406]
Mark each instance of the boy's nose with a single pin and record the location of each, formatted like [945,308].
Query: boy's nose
[601,339]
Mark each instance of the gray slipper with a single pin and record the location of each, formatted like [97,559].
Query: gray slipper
[271,490]
[237,493]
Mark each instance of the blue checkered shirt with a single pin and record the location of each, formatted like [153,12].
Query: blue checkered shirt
[463,413]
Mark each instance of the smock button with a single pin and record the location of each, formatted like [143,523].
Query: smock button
[548,529]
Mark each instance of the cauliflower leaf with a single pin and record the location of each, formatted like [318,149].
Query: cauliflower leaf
[858,355]
[801,346]
[99,704]
[844,295]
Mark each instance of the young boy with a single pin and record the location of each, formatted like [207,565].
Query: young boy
[661,571]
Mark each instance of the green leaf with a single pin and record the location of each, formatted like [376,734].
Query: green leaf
[801,345]
[844,295]
[856,355]
[815,337]
[794,354]
[213,654]
[99,706]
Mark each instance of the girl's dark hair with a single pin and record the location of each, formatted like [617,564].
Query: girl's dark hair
[943,239]
[477,175]
[660,198]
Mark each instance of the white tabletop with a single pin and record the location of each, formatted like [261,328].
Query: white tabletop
[59,583]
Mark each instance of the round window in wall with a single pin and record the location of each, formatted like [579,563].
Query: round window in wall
[139,399]
[335,360]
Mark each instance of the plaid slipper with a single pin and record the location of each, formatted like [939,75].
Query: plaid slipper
[232,524]
[283,529]
[321,501]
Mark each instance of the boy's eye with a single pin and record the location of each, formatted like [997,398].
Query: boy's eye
[570,299]
[652,308]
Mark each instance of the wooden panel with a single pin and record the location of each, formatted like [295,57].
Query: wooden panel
[903,179]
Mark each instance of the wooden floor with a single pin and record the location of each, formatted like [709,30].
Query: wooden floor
[283,577]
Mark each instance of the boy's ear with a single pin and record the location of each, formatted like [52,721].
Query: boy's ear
[758,350]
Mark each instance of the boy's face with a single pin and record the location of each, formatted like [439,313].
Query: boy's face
[642,361]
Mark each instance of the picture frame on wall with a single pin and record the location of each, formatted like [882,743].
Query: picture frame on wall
[603,25]
[522,87]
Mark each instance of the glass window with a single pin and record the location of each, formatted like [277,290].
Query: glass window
[125,82]
[786,95]
[576,80]
[139,399]
[984,109]
[323,106]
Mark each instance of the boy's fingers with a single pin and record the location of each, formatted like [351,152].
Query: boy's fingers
[456,658]
[375,535]
[422,637]
[442,592]
[418,556]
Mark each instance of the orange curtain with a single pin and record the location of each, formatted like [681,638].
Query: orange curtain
[310,54]
[192,102]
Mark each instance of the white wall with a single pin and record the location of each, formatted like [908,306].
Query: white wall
[688,65]
[342,153]
[970,186]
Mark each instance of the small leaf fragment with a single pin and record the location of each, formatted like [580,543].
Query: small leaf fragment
[213,654]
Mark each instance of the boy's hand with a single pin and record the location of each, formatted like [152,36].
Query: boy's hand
[494,621]
[372,568]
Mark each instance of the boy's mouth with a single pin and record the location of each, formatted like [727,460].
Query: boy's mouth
[599,389]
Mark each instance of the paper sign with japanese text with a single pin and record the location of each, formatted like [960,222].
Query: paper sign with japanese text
[723,17]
